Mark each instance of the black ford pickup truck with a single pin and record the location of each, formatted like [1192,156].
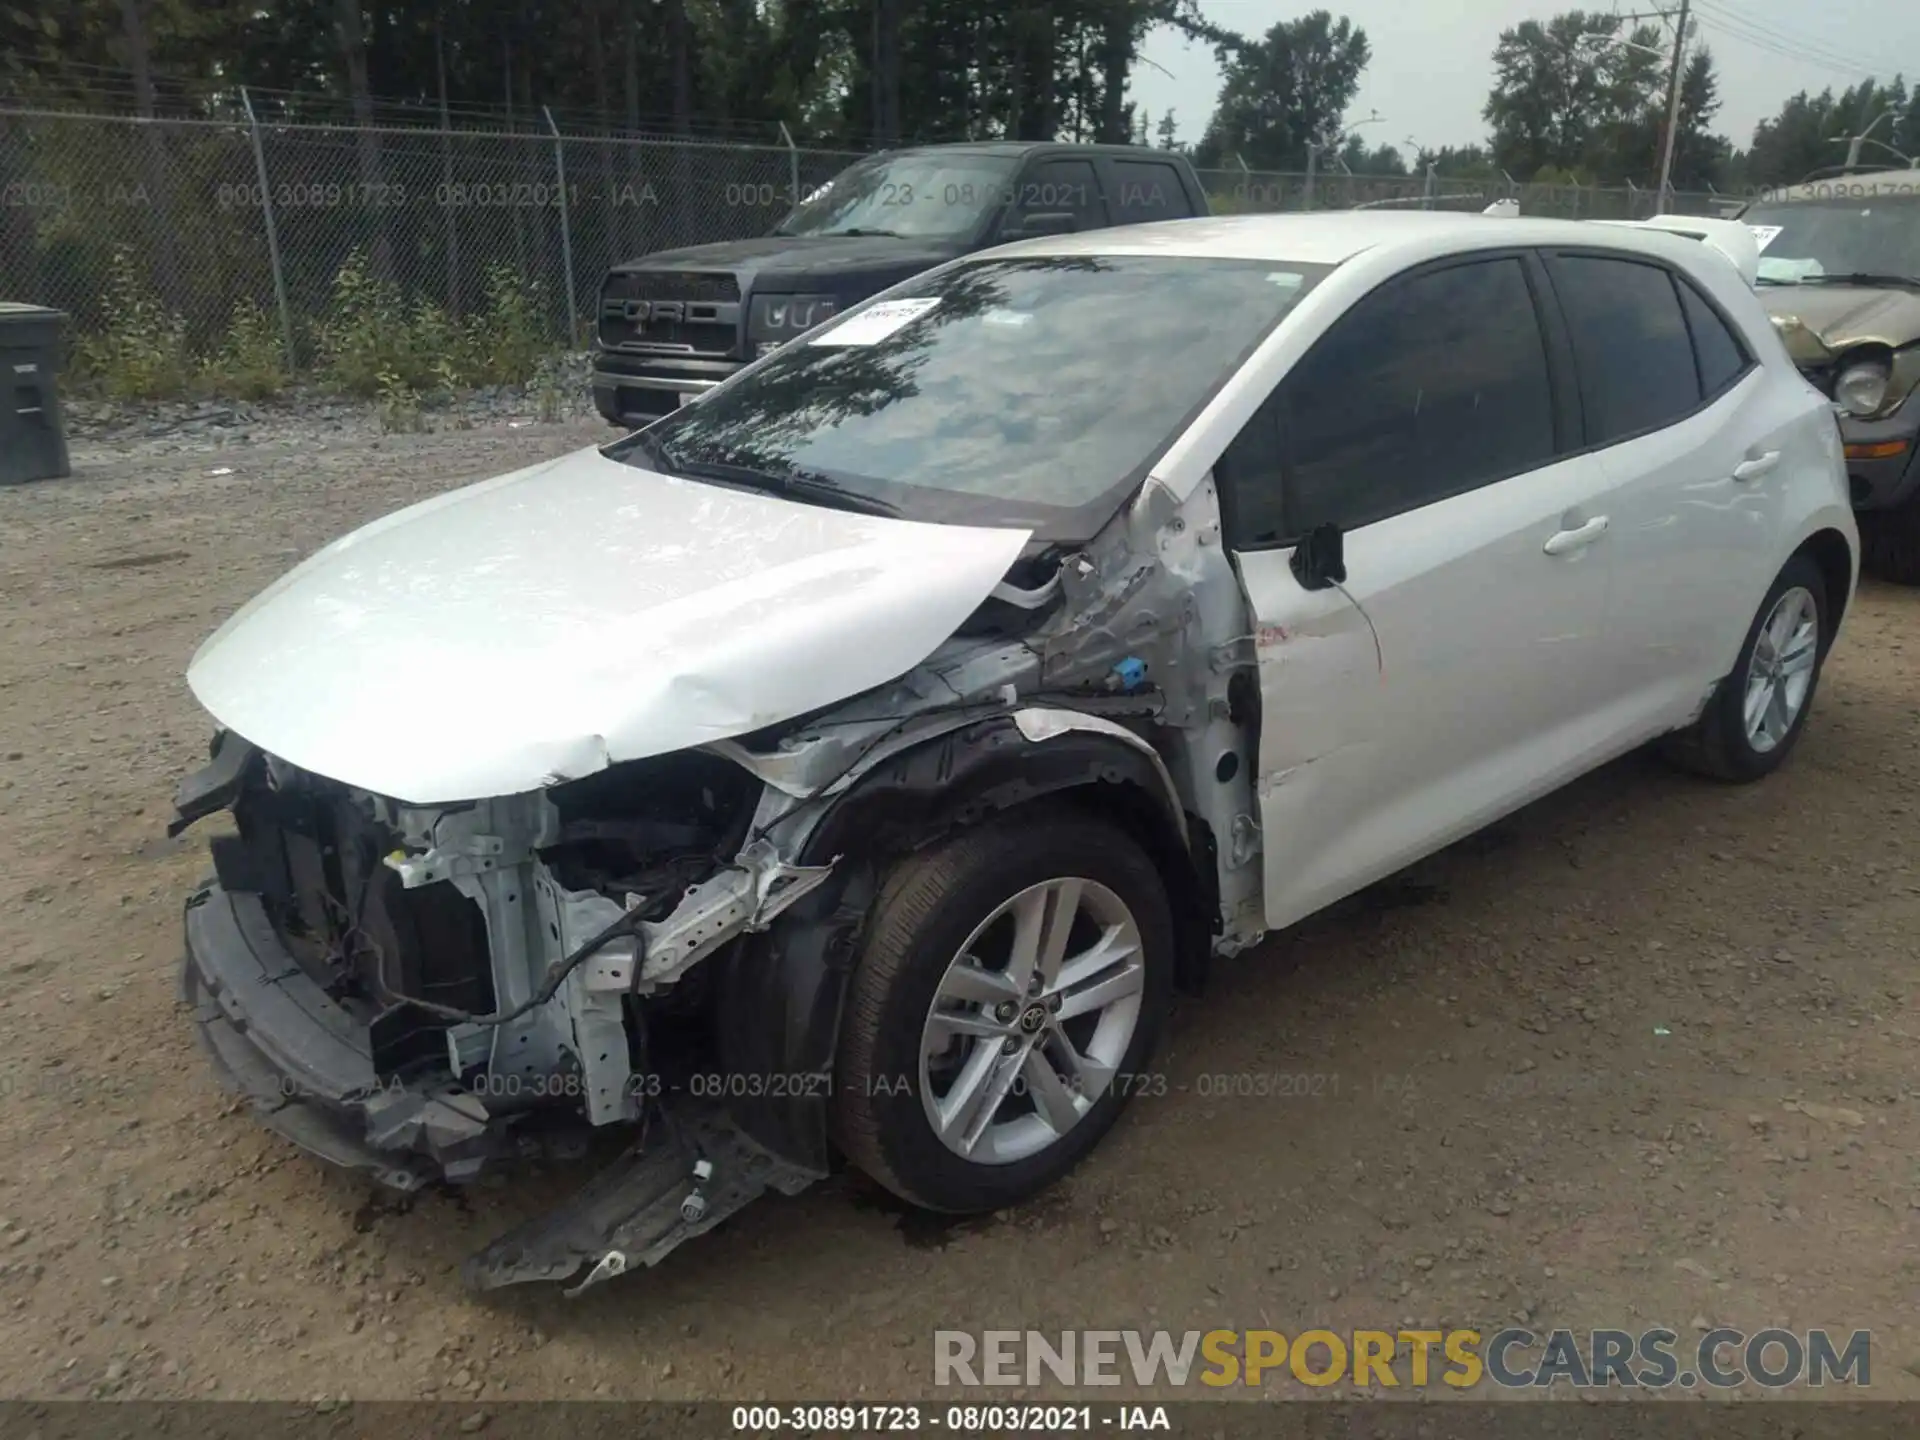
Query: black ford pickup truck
[678,322]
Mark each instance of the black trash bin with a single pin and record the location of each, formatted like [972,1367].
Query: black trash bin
[33,443]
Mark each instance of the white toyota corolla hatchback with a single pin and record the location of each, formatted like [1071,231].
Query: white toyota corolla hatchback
[852,763]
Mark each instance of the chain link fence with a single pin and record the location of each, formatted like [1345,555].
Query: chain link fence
[214,216]
[208,218]
[1252,192]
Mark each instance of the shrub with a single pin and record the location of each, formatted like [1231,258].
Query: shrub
[142,354]
[506,342]
[249,363]
[366,341]
[399,405]
[371,344]
[550,401]
[434,348]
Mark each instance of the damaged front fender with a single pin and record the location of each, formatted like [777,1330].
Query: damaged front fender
[781,995]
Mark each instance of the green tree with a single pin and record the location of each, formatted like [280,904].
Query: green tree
[1700,157]
[837,72]
[1567,94]
[1462,162]
[1809,133]
[1284,92]
[1357,159]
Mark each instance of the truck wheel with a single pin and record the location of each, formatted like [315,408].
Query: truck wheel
[607,403]
[1890,542]
[1755,718]
[1009,989]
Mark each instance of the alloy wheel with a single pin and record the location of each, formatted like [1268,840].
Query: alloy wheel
[1031,1020]
[1780,670]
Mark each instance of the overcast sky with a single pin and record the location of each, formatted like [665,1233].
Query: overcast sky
[1432,63]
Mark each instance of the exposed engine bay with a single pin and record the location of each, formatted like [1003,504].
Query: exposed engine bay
[421,991]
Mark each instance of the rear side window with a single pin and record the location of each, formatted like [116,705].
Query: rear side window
[1432,385]
[1146,190]
[1053,186]
[1721,356]
[1630,345]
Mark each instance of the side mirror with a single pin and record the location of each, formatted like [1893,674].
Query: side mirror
[1319,560]
[1042,222]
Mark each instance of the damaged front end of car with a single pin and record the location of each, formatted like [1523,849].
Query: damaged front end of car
[658,947]
[419,991]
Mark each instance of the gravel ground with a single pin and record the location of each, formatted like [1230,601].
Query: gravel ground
[1641,1054]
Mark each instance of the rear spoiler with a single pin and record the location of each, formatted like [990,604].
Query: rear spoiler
[1729,238]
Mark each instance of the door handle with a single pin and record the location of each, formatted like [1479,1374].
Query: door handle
[1568,541]
[1756,466]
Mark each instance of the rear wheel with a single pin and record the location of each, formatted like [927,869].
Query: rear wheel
[1890,542]
[1010,984]
[1755,717]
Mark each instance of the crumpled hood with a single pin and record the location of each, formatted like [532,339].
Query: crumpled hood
[1832,319]
[544,624]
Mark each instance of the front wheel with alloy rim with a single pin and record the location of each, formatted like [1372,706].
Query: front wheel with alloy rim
[1010,984]
[1757,713]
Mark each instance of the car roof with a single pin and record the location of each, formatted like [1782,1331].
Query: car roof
[1016,148]
[1330,237]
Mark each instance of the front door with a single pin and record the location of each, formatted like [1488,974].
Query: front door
[1456,672]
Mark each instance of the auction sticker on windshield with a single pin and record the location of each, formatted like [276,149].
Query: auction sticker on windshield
[1763,235]
[877,322]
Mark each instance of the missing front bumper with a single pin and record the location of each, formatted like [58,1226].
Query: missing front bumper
[278,1039]
[275,1037]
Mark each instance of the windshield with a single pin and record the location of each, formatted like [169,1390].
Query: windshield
[1803,240]
[940,196]
[1030,392]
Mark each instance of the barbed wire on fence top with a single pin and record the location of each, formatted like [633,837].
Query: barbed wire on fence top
[204,219]
[103,93]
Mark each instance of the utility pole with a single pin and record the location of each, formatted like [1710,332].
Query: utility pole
[1673,109]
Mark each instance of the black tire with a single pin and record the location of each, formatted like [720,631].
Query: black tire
[928,907]
[1717,744]
[1890,542]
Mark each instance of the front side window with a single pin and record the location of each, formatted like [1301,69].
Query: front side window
[1025,392]
[926,196]
[1431,385]
[1630,344]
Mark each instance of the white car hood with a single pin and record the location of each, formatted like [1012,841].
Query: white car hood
[542,625]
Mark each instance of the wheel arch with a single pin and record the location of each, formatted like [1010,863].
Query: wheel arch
[1834,554]
[781,994]
[965,776]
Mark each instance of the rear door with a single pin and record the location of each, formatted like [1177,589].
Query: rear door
[1679,415]
[1452,677]
[1142,191]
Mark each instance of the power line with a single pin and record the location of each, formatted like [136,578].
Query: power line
[1847,69]
[1737,27]
[1799,42]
